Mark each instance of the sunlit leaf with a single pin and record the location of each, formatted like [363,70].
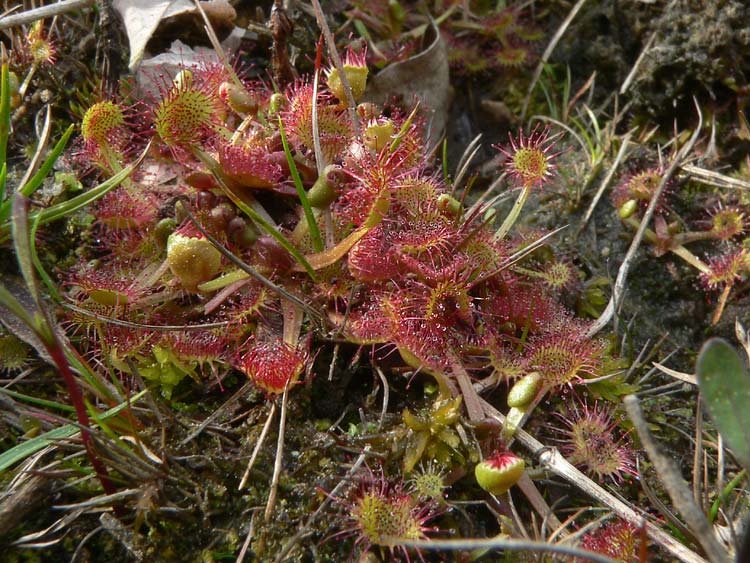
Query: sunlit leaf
[725,383]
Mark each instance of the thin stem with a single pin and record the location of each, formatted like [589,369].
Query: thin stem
[43,12]
[258,445]
[274,489]
[677,250]
[331,43]
[622,273]
[514,213]
[722,303]
[722,498]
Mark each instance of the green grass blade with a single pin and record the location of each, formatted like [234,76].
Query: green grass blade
[37,401]
[312,224]
[215,169]
[725,384]
[38,264]
[404,129]
[22,451]
[36,180]
[3,180]
[4,111]
[64,208]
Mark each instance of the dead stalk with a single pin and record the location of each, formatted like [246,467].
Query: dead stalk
[547,53]
[622,274]
[336,59]
[274,489]
[42,12]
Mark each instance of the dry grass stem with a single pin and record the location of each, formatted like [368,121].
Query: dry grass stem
[548,52]
[633,71]
[336,59]
[607,179]
[622,274]
[43,12]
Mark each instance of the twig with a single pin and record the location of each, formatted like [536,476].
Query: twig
[553,460]
[504,544]
[547,53]
[386,396]
[675,485]
[249,269]
[622,273]
[216,44]
[43,12]
[218,412]
[248,538]
[529,489]
[637,64]
[698,452]
[714,178]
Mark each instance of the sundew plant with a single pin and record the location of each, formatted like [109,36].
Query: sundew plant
[282,328]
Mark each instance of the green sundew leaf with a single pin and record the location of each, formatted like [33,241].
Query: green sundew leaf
[317,240]
[725,384]
[22,451]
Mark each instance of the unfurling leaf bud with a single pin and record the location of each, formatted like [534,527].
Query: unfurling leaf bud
[524,390]
[356,72]
[322,192]
[628,208]
[378,134]
[499,473]
[192,260]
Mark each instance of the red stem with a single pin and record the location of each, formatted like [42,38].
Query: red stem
[76,397]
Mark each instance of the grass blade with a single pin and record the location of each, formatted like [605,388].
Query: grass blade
[17,453]
[4,111]
[268,228]
[72,205]
[317,240]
